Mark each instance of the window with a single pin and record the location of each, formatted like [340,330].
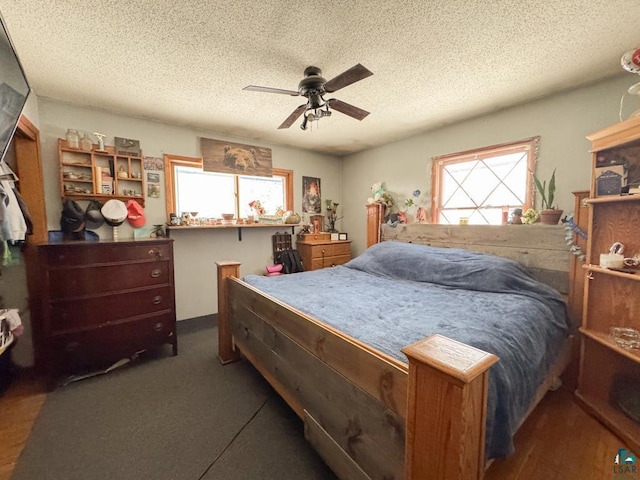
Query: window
[483,186]
[190,189]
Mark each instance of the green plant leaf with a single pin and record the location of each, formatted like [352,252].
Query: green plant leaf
[541,189]
[552,188]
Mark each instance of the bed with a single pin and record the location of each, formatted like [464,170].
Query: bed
[420,400]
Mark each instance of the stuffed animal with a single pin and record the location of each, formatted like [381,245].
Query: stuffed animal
[376,193]
[257,207]
[380,195]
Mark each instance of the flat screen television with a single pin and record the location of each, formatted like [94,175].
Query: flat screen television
[14,89]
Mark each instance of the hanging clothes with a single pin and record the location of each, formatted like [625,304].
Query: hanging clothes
[16,230]
[5,223]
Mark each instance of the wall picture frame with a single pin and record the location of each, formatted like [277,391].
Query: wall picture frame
[235,158]
[311,195]
[127,146]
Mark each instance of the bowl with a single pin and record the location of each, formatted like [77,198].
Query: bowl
[228,216]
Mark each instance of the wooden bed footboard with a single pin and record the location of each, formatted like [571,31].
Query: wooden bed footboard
[368,415]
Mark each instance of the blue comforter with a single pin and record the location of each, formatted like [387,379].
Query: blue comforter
[396,293]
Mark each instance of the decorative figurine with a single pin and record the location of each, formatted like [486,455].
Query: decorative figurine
[100,141]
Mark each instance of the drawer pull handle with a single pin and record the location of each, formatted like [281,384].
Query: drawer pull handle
[156,253]
[158,327]
[156,300]
[155,273]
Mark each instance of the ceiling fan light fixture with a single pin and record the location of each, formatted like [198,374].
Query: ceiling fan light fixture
[313,86]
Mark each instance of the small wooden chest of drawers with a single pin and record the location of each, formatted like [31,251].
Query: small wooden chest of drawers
[321,254]
[103,301]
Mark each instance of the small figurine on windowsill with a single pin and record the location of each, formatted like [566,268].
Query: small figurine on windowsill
[516,217]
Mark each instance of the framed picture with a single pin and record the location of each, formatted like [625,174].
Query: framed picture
[153,190]
[343,236]
[153,177]
[317,223]
[311,195]
[127,146]
[237,158]
[153,163]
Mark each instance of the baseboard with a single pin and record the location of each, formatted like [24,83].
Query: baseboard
[196,324]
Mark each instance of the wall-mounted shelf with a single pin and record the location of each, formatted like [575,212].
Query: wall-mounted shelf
[100,174]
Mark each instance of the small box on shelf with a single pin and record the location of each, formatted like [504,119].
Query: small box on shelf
[610,179]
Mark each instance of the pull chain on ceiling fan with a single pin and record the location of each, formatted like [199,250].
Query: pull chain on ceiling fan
[314,87]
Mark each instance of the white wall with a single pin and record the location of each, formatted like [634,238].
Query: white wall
[195,251]
[562,121]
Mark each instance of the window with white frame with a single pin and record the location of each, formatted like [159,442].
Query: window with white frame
[484,186]
[209,194]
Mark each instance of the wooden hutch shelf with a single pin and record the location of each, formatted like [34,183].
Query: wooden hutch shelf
[609,374]
[607,341]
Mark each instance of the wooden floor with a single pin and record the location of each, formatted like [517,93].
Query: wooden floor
[558,441]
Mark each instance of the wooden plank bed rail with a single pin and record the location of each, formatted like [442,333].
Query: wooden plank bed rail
[368,415]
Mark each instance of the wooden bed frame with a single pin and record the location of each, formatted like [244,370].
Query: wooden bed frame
[368,415]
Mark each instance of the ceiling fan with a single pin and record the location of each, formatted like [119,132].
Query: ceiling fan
[313,86]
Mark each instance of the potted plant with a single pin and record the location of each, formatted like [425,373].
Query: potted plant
[549,214]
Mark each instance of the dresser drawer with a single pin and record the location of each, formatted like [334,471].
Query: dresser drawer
[66,316]
[339,249]
[318,263]
[81,281]
[67,255]
[337,260]
[330,250]
[101,347]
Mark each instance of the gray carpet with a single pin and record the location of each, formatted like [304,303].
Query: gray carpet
[164,417]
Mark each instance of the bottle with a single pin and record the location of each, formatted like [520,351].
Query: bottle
[86,144]
[73,139]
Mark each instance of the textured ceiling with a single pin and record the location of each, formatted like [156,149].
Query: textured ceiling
[434,62]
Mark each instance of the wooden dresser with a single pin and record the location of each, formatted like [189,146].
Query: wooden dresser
[103,301]
[321,254]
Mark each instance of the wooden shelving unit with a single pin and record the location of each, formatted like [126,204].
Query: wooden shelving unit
[611,297]
[100,175]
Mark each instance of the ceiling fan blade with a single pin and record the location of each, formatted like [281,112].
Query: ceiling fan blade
[347,109]
[354,74]
[293,117]
[255,88]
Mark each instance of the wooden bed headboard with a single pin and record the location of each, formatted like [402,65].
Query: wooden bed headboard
[542,249]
